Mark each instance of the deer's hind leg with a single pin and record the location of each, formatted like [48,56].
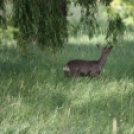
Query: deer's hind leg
[76,74]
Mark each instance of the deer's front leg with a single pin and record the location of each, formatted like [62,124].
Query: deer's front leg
[76,74]
[97,75]
[94,74]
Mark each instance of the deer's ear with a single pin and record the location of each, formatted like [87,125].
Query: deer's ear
[99,46]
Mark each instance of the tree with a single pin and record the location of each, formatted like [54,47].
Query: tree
[2,14]
[46,21]
[42,20]
[120,14]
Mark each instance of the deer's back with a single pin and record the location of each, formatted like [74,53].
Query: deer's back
[83,66]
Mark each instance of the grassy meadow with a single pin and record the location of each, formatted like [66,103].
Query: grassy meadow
[35,99]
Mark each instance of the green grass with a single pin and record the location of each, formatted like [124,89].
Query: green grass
[35,99]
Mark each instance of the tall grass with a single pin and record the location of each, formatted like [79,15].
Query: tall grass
[35,99]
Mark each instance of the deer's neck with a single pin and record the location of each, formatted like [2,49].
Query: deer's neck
[102,60]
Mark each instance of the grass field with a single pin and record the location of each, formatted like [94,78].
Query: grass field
[34,98]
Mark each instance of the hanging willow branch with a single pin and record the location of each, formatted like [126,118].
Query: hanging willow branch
[116,26]
[52,22]
[44,20]
[23,19]
[115,30]
[88,15]
[2,14]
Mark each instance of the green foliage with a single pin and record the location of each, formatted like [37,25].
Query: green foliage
[43,21]
[115,30]
[88,15]
[2,14]
[23,20]
[120,14]
[52,22]
[106,2]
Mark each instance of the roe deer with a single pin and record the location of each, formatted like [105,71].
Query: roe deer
[76,68]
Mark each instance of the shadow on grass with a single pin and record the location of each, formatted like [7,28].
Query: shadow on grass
[102,109]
